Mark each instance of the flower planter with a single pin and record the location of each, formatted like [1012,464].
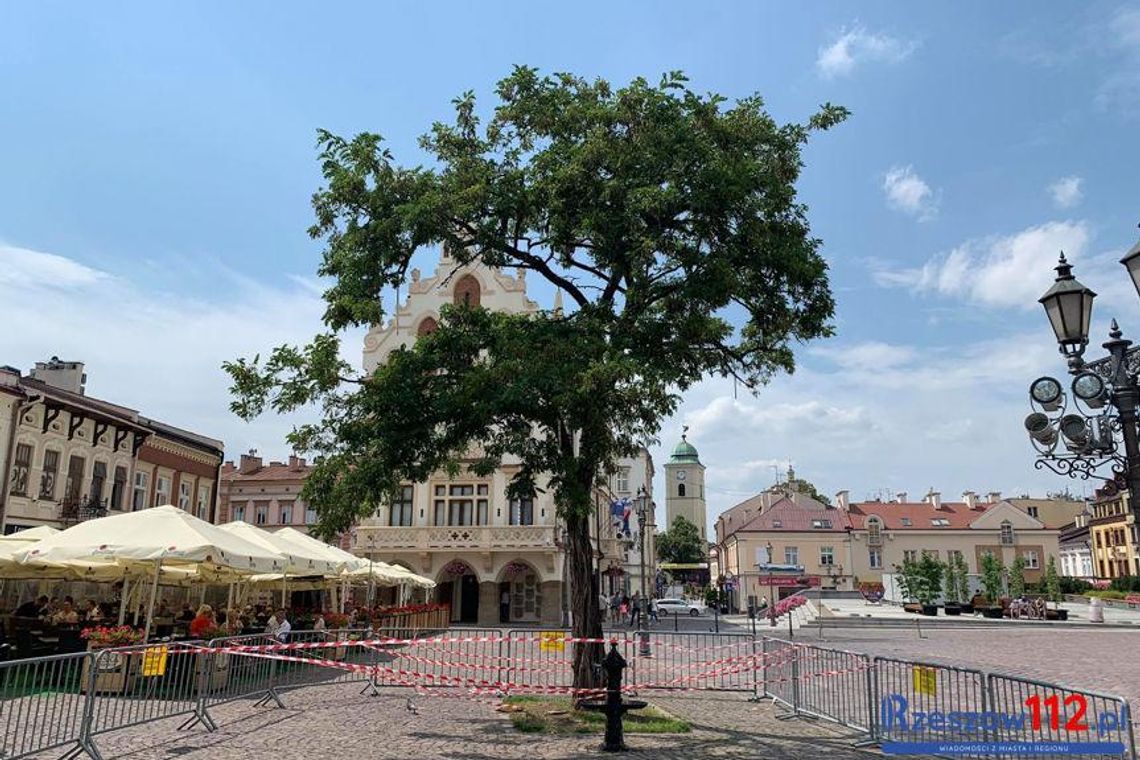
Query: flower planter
[1057,614]
[912,607]
[994,613]
[115,671]
[966,609]
[952,609]
[930,610]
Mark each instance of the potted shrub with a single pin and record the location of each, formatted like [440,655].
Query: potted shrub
[993,582]
[1017,577]
[930,571]
[951,590]
[114,671]
[962,579]
[908,581]
[1053,591]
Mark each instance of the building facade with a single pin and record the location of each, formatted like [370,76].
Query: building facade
[1113,536]
[265,495]
[1076,550]
[71,457]
[494,559]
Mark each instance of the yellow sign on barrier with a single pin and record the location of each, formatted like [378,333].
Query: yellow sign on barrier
[154,662]
[925,680]
[552,641]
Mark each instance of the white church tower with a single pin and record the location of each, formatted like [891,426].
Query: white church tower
[685,486]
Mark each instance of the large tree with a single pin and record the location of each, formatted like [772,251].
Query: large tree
[668,218]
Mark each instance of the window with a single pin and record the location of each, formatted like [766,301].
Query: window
[161,490]
[1006,533]
[184,495]
[460,508]
[522,512]
[203,502]
[874,532]
[1098,545]
[940,522]
[261,513]
[74,482]
[239,512]
[623,480]
[1031,561]
[932,553]
[777,523]
[680,489]
[286,514]
[910,555]
[826,556]
[50,473]
[791,555]
[905,522]
[138,498]
[427,325]
[118,487]
[310,516]
[467,291]
[875,557]
[1031,511]
[21,469]
[953,555]
[821,523]
[98,480]
[401,509]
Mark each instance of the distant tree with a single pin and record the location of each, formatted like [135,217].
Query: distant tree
[993,578]
[681,543]
[930,570]
[1065,495]
[806,487]
[1052,581]
[1017,577]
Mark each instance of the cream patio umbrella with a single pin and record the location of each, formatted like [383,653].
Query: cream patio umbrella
[372,571]
[301,561]
[150,538]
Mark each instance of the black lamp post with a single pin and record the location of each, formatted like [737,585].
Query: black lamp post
[1100,427]
[771,590]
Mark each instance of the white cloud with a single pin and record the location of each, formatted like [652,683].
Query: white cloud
[1066,192]
[24,268]
[157,351]
[909,193]
[855,46]
[1002,271]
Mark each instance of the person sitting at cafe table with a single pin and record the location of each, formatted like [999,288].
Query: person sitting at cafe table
[187,614]
[66,615]
[202,622]
[32,608]
[92,613]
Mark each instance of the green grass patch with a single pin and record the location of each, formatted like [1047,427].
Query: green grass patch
[554,715]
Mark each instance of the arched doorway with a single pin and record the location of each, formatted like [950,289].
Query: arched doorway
[459,586]
[520,593]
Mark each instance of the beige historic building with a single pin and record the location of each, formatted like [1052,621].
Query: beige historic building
[70,457]
[265,495]
[1114,539]
[495,560]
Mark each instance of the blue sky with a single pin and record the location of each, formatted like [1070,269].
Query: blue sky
[158,163]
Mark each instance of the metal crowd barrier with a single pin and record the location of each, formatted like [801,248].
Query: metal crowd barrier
[67,701]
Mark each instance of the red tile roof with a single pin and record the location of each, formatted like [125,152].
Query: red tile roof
[275,471]
[920,514]
[798,514]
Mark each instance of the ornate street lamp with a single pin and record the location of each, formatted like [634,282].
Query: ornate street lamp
[1099,429]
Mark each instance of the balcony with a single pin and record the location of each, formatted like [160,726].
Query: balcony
[76,509]
[428,538]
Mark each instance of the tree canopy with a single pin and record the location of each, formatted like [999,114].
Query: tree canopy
[681,543]
[668,218]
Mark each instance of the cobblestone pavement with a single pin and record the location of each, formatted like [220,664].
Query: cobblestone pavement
[335,722]
[1098,660]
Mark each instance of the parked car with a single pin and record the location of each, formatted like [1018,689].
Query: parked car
[678,607]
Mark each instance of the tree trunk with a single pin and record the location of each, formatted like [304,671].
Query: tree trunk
[584,601]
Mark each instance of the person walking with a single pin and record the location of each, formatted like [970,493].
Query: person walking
[634,608]
[505,606]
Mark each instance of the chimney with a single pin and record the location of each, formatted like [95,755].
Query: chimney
[842,501]
[971,499]
[900,497]
[228,468]
[296,462]
[250,463]
[993,497]
[66,376]
[934,499]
